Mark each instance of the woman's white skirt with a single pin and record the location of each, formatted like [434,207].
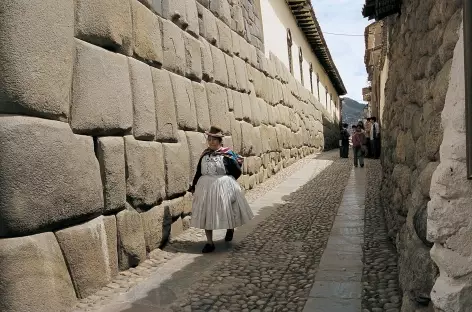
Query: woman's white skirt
[219,203]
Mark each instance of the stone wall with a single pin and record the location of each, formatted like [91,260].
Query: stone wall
[422,41]
[104,105]
[449,215]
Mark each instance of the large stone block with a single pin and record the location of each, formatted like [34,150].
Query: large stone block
[111,156]
[147,36]
[45,170]
[196,145]
[193,57]
[156,225]
[220,70]
[144,104]
[236,134]
[247,146]
[225,41]
[174,10]
[107,24]
[201,106]
[241,74]
[191,14]
[177,166]
[34,275]
[232,80]
[165,108]
[246,104]
[184,100]
[222,10]
[208,28]
[255,110]
[236,43]
[238,105]
[131,244]
[85,248]
[145,185]
[173,47]
[112,242]
[102,99]
[218,106]
[230,92]
[34,36]
[207,60]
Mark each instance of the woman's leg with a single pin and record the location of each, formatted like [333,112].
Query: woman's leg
[229,235]
[209,235]
[210,246]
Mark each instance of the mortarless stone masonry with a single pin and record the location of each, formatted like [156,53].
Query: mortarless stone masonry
[422,42]
[114,100]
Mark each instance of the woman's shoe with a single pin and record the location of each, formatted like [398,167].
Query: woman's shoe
[208,248]
[229,235]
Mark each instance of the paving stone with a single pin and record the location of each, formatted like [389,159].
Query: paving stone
[33,81]
[102,97]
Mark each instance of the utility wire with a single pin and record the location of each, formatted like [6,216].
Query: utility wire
[346,35]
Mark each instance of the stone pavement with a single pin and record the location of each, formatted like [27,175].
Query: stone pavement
[338,284]
[300,253]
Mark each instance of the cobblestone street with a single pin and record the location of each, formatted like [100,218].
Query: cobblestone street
[304,251]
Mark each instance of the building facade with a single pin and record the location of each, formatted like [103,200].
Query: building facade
[305,52]
[426,193]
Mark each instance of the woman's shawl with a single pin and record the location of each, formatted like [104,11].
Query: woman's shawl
[226,152]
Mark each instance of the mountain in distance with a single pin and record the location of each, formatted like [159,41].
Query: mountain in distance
[352,111]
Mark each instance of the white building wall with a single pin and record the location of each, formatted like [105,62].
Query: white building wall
[276,18]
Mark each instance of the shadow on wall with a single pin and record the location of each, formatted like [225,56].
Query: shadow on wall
[331,134]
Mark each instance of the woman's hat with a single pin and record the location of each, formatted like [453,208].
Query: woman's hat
[215,132]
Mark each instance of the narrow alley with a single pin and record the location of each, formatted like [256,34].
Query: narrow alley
[319,245]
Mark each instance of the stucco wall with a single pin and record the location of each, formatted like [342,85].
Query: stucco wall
[449,211]
[103,107]
[276,18]
[422,42]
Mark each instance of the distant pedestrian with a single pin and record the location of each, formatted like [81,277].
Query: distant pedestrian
[358,146]
[345,141]
[218,201]
[368,129]
[375,138]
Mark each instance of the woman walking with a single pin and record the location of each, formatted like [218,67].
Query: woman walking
[218,201]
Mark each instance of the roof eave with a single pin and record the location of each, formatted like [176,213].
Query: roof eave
[303,12]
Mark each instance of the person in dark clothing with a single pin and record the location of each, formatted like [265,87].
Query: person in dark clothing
[345,141]
[375,138]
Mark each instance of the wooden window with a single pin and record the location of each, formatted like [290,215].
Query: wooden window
[300,60]
[311,77]
[318,86]
[289,47]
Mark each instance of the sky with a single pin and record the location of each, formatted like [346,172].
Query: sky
[345,17]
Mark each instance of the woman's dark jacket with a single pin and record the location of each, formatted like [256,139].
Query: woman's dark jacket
[231,166]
